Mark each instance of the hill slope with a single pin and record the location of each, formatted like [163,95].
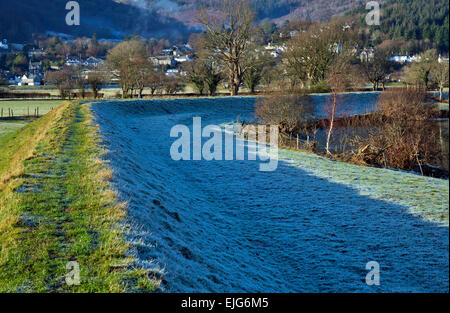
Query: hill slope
[20,19]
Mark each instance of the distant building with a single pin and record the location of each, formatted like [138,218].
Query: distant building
[275,51]
[182,59]
[31,80]
[163,60]
[401,59]
[36,53]
[441,59]
[73,61]
[367,55]
[93,62]
[172,72]
[34,67]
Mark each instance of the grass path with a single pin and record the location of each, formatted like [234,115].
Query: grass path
[57,206]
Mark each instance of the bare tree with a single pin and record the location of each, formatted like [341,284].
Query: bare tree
[418,72]
[195,74]
[155,81]
[143,73]
[80,81]
[377,69]
[96,80]
[311,53]
[227,37]
[64,81]
[288,112]
[407,135]
[212,78]
[125,60]
[440,75]
[339,77]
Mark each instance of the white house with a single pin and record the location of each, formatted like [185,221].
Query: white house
[401,59]
[93,62]
[182,59]
[72,62]
[441,59]
[31,80]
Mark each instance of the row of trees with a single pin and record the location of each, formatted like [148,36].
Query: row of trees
[224,52]
[427,72]
[129,62]
[68,78]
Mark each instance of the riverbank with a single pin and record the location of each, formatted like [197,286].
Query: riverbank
[309,226]
[57,206]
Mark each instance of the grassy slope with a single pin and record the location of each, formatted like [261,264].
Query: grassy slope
[56,206]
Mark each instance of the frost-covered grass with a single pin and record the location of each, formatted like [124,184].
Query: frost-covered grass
[224,226]
[426,197]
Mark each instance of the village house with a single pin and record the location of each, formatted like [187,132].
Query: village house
[31,80]
[34,67]
[367,55]
[442,59]
[182,59]
[73,61]
[163,60]
[274,51]
[401,59]
[93,62]
[36,53]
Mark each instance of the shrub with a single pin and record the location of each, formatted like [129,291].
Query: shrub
[407,135]
[288,112]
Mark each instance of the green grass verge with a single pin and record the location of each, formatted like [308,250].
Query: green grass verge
[57,206]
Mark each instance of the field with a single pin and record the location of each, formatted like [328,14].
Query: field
[23,111]
[27,107]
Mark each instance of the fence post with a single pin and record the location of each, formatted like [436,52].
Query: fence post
[297,141]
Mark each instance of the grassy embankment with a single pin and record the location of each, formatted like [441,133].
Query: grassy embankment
[56,206]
